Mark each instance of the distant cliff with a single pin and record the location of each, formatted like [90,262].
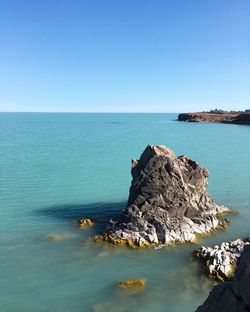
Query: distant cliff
[242,118]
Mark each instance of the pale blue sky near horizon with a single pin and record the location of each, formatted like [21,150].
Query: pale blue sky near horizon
[124,56]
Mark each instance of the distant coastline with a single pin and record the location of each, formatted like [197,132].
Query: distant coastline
[217,116]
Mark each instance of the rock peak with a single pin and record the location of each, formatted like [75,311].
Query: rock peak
[159,150]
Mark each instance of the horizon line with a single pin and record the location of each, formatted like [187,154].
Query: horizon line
[101,112]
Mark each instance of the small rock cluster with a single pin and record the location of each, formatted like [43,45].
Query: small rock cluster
[220,260]
[85,222]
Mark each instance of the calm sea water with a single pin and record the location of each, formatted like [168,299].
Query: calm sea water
[56,168]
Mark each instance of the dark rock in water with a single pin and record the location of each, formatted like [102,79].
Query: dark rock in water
[168,202]
[243,119]
[220,260]
[232,296]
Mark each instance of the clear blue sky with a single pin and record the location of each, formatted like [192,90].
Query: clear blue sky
[124,55]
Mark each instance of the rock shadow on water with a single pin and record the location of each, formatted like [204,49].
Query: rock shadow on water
[100,212]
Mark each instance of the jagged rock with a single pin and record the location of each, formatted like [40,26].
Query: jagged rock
[233,296]
[220,260]
[168,202]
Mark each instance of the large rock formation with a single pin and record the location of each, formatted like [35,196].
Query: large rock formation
[168,202]
[220,260]
[232,296]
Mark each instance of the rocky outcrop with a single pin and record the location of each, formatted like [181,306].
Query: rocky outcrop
[227,117]
[232,296]
[168,202]
[220,260]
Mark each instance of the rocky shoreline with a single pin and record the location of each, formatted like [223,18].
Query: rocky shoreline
[234,295]
[227,117]
[167,204]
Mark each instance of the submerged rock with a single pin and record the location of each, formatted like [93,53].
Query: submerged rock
[232,296]
[220,260]
[132,284]
[168,202]
[58,236]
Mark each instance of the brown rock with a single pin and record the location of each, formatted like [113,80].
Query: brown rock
[85,222]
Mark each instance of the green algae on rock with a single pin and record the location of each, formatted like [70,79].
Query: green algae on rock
[84,223]
[132,284]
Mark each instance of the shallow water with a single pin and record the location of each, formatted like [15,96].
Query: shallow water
[56,168]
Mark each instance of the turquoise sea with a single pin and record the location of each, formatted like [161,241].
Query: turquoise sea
[56,168]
